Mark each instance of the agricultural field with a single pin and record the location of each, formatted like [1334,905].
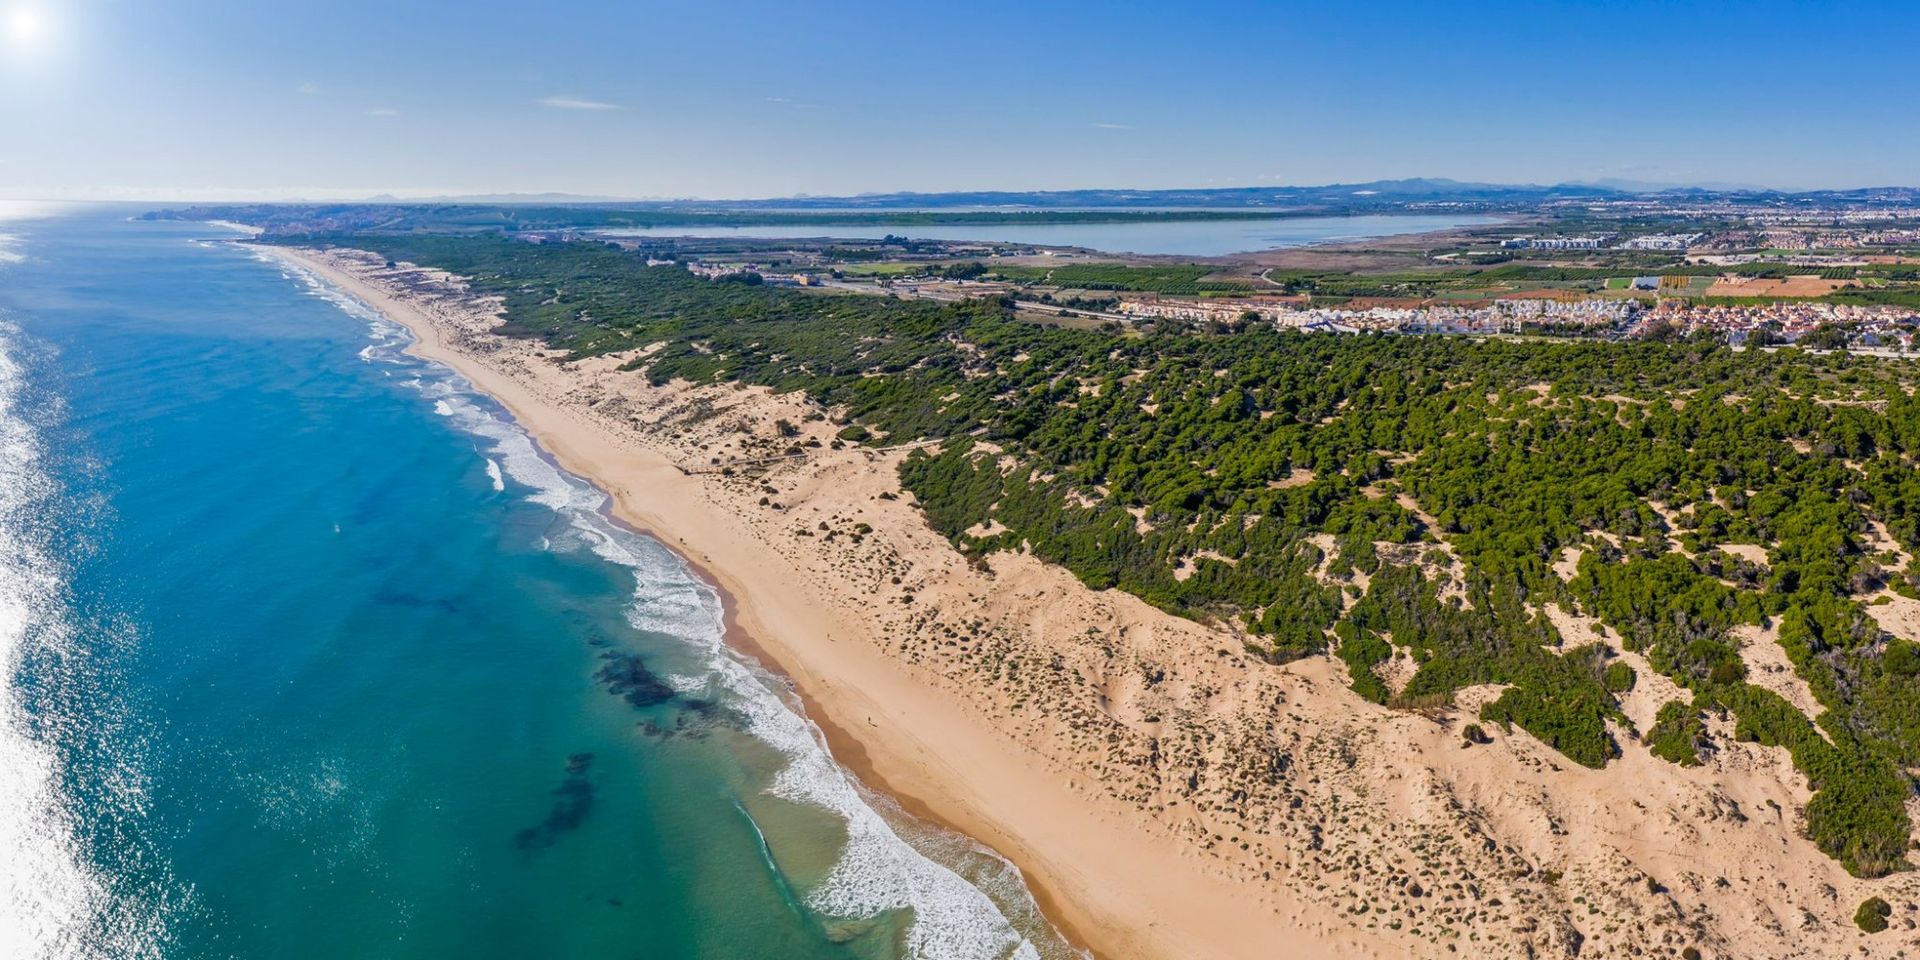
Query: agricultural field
[1456,284]
[1172,280]
[887,269]
[1676,286]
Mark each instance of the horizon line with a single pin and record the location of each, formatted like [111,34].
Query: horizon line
[424,195]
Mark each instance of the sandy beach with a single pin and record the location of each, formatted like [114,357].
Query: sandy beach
[1165,795]
[885,722]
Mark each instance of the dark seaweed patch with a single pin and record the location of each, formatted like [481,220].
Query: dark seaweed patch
[401,598]
[572,802]
[626,676]
[588,629]
[695,721]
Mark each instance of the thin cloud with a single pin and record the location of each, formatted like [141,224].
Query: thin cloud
[1114,126]
[383,112]
[576,103]
[307,89]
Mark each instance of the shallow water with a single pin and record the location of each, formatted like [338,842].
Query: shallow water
[1188,238]
[311,653]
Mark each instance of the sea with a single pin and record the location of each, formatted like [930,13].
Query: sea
[1187,238]
[309,651]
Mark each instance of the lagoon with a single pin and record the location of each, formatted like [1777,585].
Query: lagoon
[1190,238]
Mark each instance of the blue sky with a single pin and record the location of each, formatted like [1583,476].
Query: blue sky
[198,98]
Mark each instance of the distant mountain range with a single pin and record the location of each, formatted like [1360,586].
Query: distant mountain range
[501,199]
[1380,193]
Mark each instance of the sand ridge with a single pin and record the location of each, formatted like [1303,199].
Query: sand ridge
[1166,795]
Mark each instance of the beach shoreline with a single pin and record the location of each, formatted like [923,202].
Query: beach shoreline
[900,771]
[852,754]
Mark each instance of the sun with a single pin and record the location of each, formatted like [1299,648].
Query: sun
[23,26]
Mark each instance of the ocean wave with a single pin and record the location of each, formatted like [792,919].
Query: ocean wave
[54,904]
[879,871]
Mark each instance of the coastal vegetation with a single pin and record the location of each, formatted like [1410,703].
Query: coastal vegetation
[1374,498]
[1872,915]
[1677,734]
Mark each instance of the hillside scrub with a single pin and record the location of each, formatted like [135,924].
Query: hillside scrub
[1448,475]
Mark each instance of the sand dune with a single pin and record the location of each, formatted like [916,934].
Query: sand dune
[1166,795]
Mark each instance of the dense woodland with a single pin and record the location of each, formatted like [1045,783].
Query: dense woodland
[1362,495]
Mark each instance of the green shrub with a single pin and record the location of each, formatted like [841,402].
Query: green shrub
[1619,677]
[1872,915]
[1677,734]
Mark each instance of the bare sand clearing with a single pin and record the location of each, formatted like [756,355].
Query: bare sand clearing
[1798,286]
[1167,796]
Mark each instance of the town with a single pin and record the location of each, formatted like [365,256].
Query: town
[1819,277]
[1804,321]
[1758,325]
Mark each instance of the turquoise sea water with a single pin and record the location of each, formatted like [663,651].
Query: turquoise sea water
[309,653]
[1185,238]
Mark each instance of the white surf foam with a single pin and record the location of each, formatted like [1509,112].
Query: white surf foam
[251,231]
[878,871]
